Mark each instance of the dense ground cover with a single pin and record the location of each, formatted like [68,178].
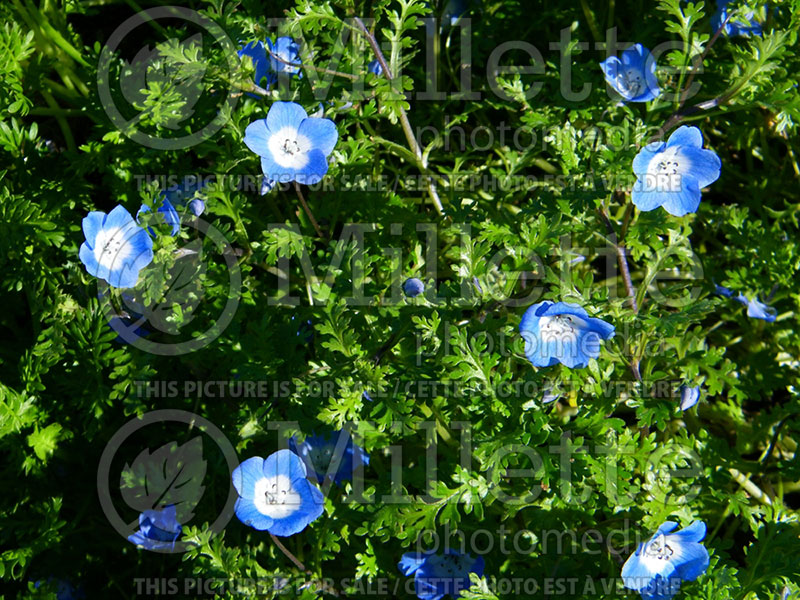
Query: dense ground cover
[538,261]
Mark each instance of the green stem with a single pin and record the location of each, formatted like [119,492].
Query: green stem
[405,123]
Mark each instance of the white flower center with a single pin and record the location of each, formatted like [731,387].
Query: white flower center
[665,170]
[656,553]
[112,247]
[289,148]
[632,81]
[560,328]
[275,497]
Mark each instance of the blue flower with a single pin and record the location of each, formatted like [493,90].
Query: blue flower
[689,396]
[550,395]
[274,494]
[168,215]
[375,67]
[634,76]
[116,248]
[660,564]
[672,174]
[258,54]
[562,332]
[158,529]
[267,185]
[292,145]
[64,589]
[321,455]
[733,28]
[413,287]
[190,194]
[288,51]
[723,291]
[437,575]
[757,309]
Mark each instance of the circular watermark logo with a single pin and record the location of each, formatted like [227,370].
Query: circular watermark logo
[165,484]
[168,298]
[174,73]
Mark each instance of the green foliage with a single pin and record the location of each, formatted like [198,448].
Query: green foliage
[322,319]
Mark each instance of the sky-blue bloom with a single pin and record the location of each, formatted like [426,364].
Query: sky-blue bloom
[116,248]
[292,145]
[634,75]
[190,194]
[167,214]
[660,564]
[274,494]
[757,309]
[257,52]
[413,287]
[689,396]
[158,529]
[333,455]
[733,28]
[562,332]
[672,174]
[436,575]
[375,67]
[287,50]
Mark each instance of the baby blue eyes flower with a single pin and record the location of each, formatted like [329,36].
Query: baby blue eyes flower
[436,575]
[288,51]
[258,54]
[267,67]
[660,564]
[158,529]
[267,185]
[634,75]
[733,28]
[413,287]
[333,456]
[167,214]
[274,494]
[672,174]
[189,194]
[292,145]
[562,332]
[375,67]
[116,248]
[689,396]
[757,309]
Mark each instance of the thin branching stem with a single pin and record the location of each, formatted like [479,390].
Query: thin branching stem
[406,124]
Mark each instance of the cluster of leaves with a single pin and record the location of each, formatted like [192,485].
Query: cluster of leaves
[430,365]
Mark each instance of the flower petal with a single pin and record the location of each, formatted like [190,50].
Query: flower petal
[321,132]
[118,217]
[314,170]
[256,137]
[411,561]
[246,475]
[92,223]
[248,514]
[286,463]
[686,135]
[285,114]
[684,201]
[648,200]
[703,165]
[694,532]
[642,160]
